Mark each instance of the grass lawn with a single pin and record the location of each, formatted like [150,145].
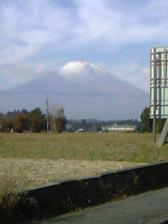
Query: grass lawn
[82,146]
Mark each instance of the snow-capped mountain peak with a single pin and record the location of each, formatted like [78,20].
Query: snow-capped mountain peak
[79,69]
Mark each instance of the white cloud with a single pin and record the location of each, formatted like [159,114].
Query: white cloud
[98,21]
[21,71]
[34,25]
[30,26]
[38,23]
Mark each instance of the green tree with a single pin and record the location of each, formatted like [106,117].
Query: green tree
[146,122]
[20,122]
[5,123]
[37,120]
[1,120]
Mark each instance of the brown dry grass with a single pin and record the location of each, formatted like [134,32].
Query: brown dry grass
[25,173]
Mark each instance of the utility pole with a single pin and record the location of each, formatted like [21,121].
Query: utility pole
[47,111]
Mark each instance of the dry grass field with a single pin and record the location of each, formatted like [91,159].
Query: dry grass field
[27,173]
[29,159]
[82,146]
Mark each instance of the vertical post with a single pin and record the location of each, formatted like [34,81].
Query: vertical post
[154,93]
[165,65]
[47,111]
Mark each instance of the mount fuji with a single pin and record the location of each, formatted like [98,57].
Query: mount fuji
[83,90]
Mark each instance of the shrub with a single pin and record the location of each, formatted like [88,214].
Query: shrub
[15,205]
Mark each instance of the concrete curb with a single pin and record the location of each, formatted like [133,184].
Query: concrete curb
[63,197]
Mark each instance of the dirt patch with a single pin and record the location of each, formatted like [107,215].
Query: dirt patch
[32,172]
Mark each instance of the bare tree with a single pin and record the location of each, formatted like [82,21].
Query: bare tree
[57,119]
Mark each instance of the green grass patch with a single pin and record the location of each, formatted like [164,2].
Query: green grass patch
[82,146]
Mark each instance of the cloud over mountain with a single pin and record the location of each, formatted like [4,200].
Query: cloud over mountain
[46,33]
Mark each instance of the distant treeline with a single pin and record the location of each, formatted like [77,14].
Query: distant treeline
[37,121]
[33,121]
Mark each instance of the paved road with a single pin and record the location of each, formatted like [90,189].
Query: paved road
[148,208]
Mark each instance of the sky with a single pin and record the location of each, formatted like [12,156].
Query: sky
[37,36]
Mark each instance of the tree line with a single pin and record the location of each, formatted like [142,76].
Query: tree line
[36,121]
[33,121]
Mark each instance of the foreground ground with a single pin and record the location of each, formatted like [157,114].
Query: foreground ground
[27,160]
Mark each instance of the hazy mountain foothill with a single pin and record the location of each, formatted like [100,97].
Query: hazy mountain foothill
[84,91]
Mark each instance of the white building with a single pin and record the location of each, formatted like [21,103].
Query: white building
[122,128]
